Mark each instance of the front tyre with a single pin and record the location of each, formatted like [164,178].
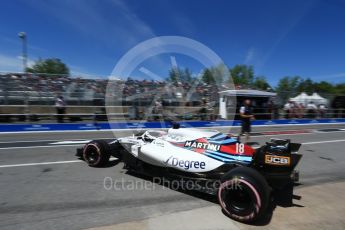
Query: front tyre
[96,153]
[244,194]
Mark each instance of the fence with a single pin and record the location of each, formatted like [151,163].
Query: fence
[39,114]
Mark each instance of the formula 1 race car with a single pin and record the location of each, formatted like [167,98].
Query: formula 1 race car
[244,179]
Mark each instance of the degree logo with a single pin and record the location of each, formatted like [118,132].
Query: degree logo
[185,164]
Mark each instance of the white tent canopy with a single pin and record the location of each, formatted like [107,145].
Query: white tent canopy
[302,98]
[305,99]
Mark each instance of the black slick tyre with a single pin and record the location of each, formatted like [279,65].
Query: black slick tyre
[96,153]
[244,194]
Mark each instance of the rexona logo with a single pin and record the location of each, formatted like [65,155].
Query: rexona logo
[186,164]
[200,145]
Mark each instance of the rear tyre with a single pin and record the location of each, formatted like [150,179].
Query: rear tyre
[96,153]
[244,194]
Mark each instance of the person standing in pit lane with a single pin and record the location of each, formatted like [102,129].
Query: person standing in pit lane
[60,106]
[246,113]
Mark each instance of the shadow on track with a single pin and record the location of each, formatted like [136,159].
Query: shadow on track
[278,198]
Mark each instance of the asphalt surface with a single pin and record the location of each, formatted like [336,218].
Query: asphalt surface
[44,186]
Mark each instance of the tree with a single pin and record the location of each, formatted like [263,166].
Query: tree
[242,75]
[261,83]
[324,88]
[307,86]
[339,88]
[287,87]
[215,74]
[175,75]
[207,76]
[187,75]
[219,73]
[49,66]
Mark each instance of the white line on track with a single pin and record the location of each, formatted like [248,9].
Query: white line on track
[77,161]
[321,142]
[283,134]
[293,134]
[34,141]
[70,142]
[40,163]
[43,146]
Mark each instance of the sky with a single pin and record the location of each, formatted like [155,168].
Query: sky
[279,38]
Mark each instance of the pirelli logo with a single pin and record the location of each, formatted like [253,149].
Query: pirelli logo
[277,160]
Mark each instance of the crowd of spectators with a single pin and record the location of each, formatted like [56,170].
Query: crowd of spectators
[40,89]
[48,87]
[299,110]
[16,87]
[190,92]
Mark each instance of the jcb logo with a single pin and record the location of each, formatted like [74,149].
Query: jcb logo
[277,160]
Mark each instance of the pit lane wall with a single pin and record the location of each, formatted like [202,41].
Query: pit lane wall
[150,125]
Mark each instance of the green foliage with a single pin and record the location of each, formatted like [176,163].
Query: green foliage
[242,75]
[339,89]
[180,75]
[261,83]
[292,86]
[215,74]
[49,66]
[324,88]
[288,87]
[207,76]
[306,85]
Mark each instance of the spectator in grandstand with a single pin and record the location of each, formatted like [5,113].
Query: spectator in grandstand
[301,109]
[270,106]
[157,110]
[274,110]
[60,106]
[294,110]
[288,108]
[203,111]
[322,110]
[311,110]
[247,117]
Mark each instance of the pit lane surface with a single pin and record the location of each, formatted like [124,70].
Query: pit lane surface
[64,193]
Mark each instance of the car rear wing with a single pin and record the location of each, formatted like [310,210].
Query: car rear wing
[278,154]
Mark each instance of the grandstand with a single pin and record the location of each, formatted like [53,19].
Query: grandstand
[31,97]
[22,89]
[31,89]
[28,94]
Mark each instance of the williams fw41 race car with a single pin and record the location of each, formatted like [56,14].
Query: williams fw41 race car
[245,180]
